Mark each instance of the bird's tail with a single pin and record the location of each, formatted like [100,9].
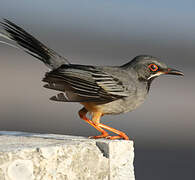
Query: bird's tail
[31,45]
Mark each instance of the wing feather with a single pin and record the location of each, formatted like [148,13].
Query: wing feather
[88,83]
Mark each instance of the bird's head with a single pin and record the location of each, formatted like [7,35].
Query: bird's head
[148,67]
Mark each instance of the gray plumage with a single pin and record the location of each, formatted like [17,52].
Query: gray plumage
[113,89]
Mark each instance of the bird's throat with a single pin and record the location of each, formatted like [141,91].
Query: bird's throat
[147,82]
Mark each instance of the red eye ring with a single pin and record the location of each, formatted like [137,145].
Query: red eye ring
[153,67]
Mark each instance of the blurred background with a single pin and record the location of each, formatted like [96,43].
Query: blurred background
[111,33]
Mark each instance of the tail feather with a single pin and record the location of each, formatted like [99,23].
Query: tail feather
[31,45]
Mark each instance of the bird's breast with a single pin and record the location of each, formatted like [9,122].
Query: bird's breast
[118,106]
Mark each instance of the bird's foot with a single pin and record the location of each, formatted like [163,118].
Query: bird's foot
[105,135]
[125,137]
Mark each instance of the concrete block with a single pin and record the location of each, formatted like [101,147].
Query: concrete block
[31,156]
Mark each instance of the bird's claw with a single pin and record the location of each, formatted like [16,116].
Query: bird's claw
[114,137]
[117,137]
[107,137]
[99,136]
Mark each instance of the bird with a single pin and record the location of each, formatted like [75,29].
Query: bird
[101,90]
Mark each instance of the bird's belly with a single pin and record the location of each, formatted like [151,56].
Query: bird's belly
[115,107]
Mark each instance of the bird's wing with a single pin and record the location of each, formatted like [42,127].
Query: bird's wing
[85,83]
[31,45]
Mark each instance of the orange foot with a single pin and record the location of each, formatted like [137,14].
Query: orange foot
[119,133]
[104,135]
[117,137]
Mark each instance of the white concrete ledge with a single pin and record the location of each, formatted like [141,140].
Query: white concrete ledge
[30,156]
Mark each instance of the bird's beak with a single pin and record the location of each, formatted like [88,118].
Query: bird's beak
[173,72]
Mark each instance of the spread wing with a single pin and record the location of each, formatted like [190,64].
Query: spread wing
[84,83]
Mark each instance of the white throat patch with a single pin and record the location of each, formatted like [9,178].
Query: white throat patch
[155,75]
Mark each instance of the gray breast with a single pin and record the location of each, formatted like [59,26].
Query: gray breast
[128,103]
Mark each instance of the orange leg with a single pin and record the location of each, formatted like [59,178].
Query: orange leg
[94,123]
[120,133]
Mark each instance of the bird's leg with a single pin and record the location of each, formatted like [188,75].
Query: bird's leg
[94,122]
[120,133]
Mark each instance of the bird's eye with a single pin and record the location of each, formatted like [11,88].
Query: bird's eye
[153,67]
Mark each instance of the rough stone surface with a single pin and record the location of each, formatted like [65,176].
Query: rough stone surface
[29,156]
